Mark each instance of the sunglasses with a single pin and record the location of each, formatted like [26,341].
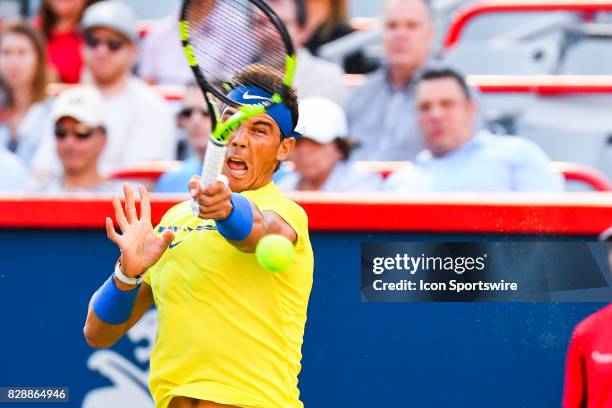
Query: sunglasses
[186,113]
[94,42]
[81,134]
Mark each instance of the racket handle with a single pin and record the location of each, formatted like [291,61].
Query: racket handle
[213,163]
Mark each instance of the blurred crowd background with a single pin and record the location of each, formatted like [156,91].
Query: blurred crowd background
[96,93]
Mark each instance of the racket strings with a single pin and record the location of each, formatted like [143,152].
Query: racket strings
[229,35]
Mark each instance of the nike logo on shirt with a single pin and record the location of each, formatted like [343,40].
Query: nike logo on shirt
[172,245]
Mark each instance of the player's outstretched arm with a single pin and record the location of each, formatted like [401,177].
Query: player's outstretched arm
[238,219]
[100,334]
[121,301]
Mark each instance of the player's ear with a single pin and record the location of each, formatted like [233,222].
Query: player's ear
[285,147]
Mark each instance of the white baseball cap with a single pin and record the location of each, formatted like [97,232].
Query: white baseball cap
[83,103]
[321,120]
[114,15]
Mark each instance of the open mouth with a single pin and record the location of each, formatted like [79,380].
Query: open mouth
[237,167]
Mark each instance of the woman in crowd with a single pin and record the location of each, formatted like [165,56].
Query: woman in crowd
[59,22]
[24,69]
[326,21]
[321,154]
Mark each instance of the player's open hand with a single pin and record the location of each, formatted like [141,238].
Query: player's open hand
[140,247]
[213,200]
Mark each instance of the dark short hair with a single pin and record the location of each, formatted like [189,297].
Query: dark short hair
[430,74]
[270,80]
[345,146]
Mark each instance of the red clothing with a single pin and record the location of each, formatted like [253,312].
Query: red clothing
[588,373]
[64,51]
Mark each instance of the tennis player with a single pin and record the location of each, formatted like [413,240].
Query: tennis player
[230,332]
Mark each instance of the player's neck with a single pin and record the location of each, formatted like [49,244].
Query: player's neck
[82,180]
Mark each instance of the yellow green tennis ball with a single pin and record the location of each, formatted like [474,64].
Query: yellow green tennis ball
[275,252]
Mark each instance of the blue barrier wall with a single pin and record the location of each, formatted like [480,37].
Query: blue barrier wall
[355,354]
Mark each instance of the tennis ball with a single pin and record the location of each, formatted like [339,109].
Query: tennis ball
[275,252]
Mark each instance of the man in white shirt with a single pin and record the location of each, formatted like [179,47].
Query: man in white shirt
[460,158]
[139,122]
[380,111]
[80,133]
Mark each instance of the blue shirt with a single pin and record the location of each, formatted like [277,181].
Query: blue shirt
[485,163]
[175,181]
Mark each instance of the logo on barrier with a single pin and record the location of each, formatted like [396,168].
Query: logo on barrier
[130,384]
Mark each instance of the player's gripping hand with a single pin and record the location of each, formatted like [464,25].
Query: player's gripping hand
[213,201]
[140,248]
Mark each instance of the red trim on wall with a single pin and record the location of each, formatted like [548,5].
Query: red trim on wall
[588,213]
[457,26]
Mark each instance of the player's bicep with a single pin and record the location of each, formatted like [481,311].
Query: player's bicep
[275,224]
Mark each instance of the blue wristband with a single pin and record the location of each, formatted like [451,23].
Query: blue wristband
[239,224]
[114,306]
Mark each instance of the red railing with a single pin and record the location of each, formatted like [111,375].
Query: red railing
[584,174]
[464,16]
[565,214]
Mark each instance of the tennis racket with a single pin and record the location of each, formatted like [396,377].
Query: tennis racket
[220,38]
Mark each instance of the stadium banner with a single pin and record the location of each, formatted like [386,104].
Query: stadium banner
[485,271]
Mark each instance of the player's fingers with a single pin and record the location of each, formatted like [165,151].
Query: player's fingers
[110,231]
[167,238]
[212,200]
[119,215]
[215,214]
[145,204]
[194,186]
[215,188]
[130,206]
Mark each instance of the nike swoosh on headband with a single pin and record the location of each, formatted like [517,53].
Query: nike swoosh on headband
[249,97]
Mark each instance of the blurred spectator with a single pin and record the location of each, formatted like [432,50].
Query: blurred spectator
[23,67]
[460,158]
[320,155]
[195,120]
[314,76]
[162,60]
[326,21]
[79,128]
[59,22]
[380,111]
[13,174]
[588,366]
[139,122]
